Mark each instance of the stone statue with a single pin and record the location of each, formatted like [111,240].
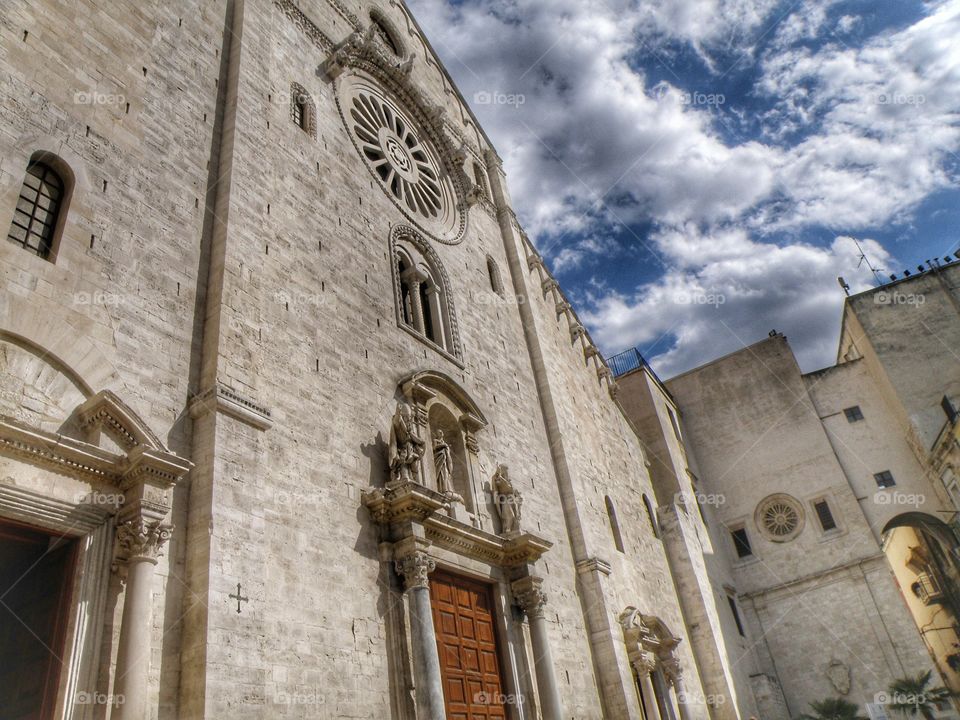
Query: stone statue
[508,501]
[443,462]
[406,449]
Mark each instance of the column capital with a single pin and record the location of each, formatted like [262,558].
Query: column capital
[140,538]
[415,567]
[672,671]
[529,594]
[643,661]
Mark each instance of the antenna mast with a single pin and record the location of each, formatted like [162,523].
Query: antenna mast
[865,259]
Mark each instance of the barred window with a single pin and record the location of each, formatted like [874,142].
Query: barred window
[824,515]
[38,209]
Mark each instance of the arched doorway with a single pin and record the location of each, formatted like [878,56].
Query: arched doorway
[923,554]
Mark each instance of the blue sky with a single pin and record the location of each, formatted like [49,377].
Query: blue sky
[699,172]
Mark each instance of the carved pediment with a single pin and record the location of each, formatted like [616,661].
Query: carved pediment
[106,412]
[428,384]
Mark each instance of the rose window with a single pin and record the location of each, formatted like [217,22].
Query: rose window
[396,155]
[409,154]
[780,517]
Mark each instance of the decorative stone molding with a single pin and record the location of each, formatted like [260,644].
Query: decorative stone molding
[650,644]
[106,411]
[224,399]
[549,285]
[562,307]
[406,501]
[594,564]
[90,462]
[306,26]
[412,503]
[140,538]
[529,594]
[534,261]
[590,351]
[577,331]
[415,568]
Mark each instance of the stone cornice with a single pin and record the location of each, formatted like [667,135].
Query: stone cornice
[58,452]
[228,401]
[410,502]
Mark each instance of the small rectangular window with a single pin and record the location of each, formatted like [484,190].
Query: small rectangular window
[741,541]
[736,615]
[884,479]
[824,515]
[853,413]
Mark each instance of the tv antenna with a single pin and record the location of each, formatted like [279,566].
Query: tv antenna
[865,259]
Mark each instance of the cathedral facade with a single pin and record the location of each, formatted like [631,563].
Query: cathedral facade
[295,421]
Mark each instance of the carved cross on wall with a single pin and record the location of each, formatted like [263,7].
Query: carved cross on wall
[239,598]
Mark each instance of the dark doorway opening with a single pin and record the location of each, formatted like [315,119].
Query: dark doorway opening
[36,573]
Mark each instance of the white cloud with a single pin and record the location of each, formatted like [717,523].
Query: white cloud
[597,147]
[725,290]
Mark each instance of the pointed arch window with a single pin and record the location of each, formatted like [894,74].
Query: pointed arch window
[41,206]
[424,306]
[496,283]
[614,524]
[303,111]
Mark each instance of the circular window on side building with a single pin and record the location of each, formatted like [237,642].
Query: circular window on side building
[780,517]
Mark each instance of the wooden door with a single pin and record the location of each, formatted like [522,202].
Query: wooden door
[35,579]
[467,643]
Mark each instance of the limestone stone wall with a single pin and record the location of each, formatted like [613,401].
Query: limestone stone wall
[124,94]
[755,424]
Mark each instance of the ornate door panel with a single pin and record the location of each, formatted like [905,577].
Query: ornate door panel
[467,643]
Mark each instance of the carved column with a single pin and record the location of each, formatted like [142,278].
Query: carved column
[139,541]
[674,675]
[528,592]
[414,567]
[644,662]
[414,280]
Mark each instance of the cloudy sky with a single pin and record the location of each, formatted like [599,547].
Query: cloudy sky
[699,172]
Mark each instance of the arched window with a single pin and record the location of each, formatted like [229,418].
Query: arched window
[652,517]
[303,111]
[614,524]
[385,31]
[42,205]
[496,284]
[424,307]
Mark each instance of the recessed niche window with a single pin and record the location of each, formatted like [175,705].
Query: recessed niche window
[884,479]
[853,413]
[493,272]
[424,307]
[614,524]
[674,423]
[652,517]
[741,542]
[303,111]
[824,515]
[42,205]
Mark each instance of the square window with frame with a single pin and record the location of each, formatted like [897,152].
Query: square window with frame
[853,413]
[884,479]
